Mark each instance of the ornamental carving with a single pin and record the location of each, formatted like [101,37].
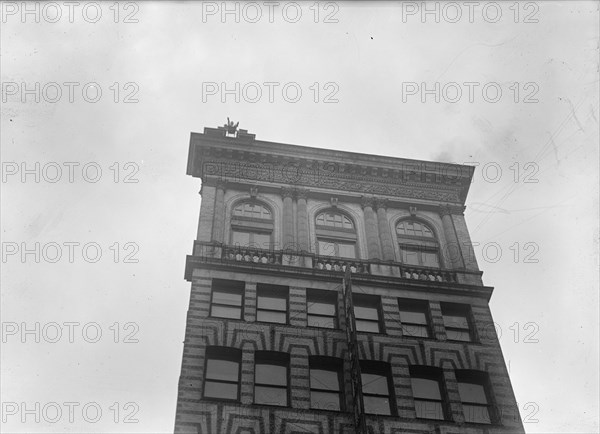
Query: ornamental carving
[328,175]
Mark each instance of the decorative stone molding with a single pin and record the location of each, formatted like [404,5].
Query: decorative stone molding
[412,210]
[253,192]
[367,202]
[381,203]
[334,202]
[287,192]
[447,209]
[302,193]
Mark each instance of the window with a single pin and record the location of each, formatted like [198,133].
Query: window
[366,312]
[427,392]
[251,225]
[376,386]
[271,303]
[321,307]
[336,235]
[414,316]
[227,299]
[252,210]
[456,321]
[222,373]
[417,243]
[325,383]
[271,378]
[473,387]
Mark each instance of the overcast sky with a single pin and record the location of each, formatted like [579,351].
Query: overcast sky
[532,207]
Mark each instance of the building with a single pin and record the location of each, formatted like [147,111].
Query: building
[286,234]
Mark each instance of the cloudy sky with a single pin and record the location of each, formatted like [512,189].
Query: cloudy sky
[98,103]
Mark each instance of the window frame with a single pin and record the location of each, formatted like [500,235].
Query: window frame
[458,309]
[418,306]
[252,225]
[216,283]
[432,374]
[273,291]
[335,235]
[322,296]
[418,243]
[272,358]
[382,369]
[330,364]
[368,301]
[480,378]
[227,354]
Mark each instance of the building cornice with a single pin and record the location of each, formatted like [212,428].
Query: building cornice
[245,159]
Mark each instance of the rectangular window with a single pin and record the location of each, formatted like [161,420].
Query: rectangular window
[473,389]
[321,307]
[227,299]
[376,386]
[325,381]
[419,256]
[456,321]
[222,373]
[427,392]
[414,316]
[272,303]
[366,312]
[271,378]
[341,249]
[256,240]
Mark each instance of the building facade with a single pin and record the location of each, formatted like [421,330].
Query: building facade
[335,292]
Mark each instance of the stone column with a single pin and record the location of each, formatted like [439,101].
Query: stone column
[452,254]
[371,228]
[303,237]
[288,218]
[219,220]
[207,209]
[385,234]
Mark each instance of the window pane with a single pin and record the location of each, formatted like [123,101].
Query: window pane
[321,308]
[458,335]
[270,396]
[324,379]
[415,331]
[367,326]
[425,388]
[321,321]
[476,413]
[413,317]
[376,405]
[456,321]
[240,239]
[233,298]
[346,250]
[366,312]
[374,384]
[271,302]
[474,393]
[217,369]
[269,316]
[226,312]
[261,241]
[429,410]
[430,259]
[325,401]
[409,257]
[271,374]
[220,390]
[326,248]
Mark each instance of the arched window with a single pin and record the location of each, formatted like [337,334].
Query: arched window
[252,225]
[418,245]
[336,235]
